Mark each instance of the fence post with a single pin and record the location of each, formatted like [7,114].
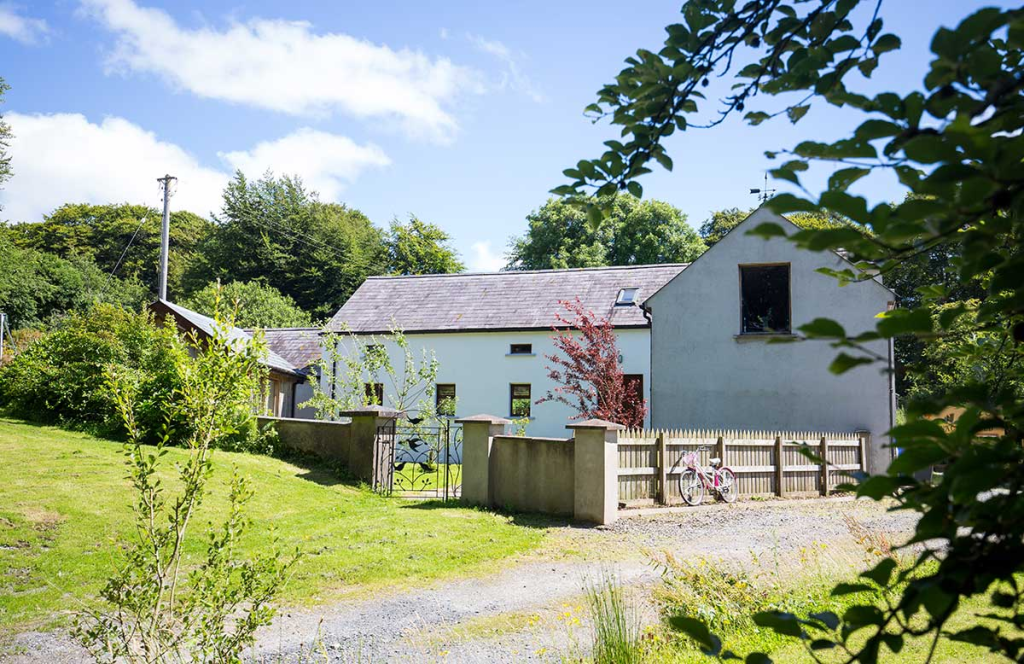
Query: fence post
[662,469]
[596,470]
[865,439]
[823,453]
[362,451]
[780,489]
[478,432]
[720,449]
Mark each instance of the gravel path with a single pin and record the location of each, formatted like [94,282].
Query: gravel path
[514,614]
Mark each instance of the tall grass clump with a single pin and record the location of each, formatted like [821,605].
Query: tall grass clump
[618,633]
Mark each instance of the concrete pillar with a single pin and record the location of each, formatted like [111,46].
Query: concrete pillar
[596,470]
[365,423]
[478,432]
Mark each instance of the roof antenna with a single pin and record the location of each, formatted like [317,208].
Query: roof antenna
[764,194]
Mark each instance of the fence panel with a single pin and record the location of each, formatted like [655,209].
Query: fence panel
[766,463]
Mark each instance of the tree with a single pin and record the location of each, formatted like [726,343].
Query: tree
[417,247]
[101,234]
[954,143]
[60,377]
[273,230]
[5,140]
[258,305]
[637,233]
[589,378]
[157,609]
[721,222]
[38,288]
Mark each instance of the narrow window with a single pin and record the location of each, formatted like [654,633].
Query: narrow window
[374,394]
[520,349]
[634,384]
[520,398]
[765,299]
[445,399]
[626,297]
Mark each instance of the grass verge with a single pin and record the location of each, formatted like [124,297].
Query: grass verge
[64,507]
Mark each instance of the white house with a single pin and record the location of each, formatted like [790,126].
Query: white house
[692,336]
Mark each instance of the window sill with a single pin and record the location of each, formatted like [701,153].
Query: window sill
[520,354]
[767,336]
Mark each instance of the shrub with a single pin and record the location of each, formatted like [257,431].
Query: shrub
[60,378]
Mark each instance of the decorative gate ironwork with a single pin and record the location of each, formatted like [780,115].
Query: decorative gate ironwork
[419,458]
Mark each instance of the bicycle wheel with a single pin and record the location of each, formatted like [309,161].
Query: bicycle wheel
[691,488]
[728,488]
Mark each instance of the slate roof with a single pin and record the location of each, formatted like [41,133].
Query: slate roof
[298,345]
[513,300]
[207,326]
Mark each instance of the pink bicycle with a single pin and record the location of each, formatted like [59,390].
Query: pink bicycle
[695,481]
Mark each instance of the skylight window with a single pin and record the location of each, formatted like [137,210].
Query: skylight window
[627,296]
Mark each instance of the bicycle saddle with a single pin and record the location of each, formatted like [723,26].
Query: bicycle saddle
[715,462]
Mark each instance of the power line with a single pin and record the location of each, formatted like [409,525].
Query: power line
[123,254]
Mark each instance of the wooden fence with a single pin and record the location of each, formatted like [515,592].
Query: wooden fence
[766,463]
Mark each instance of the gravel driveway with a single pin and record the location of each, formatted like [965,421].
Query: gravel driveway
[513,614]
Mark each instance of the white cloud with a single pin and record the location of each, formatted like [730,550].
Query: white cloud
[485,259]
[513,77]
[64,158]
[443,33]
[22,28]
[285,66]
[325,162]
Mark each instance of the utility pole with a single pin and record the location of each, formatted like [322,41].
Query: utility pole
[165,232]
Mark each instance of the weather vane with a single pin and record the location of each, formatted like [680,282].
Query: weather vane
[763,194]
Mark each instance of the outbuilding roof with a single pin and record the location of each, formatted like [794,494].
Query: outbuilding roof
[298,345]
[513,300]
[206,326]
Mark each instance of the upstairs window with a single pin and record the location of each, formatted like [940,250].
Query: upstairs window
[626,297]
[374,394]
[765,305]
[520,349]
[519,396]
[445,399]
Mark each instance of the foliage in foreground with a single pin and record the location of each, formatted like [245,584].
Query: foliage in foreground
[956,146]
[157,610]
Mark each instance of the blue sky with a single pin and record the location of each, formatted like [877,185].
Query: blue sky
[463,113]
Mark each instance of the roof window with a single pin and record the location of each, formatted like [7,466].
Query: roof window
[627,297]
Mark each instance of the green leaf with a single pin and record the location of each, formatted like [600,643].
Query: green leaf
[823,327]
[886,43]
[843,178]
[872,129]
[844,363]
[767,230]
[841,589]
[699,632]
[905,321]
[780,623]
[917,458]
[797,112]
[877,487]
[882,572]
[830,619]
[635,189]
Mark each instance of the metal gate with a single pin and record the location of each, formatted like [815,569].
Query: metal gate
[419,458]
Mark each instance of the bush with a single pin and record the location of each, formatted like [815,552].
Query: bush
[258,305]
[60,378]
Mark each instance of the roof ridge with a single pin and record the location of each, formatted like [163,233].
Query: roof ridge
[516,272]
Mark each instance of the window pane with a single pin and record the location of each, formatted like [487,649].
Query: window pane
[520,406]
[446,401]
[765,292]
[521,349]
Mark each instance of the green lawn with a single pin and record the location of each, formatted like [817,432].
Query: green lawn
[64,505]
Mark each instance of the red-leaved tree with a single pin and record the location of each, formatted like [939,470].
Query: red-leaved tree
[587,370]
